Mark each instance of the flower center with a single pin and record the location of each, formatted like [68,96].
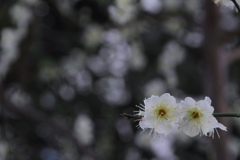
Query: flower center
[161,112]
[195,115]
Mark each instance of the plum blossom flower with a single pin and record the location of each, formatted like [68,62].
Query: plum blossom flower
[198,118]
[226,3]
[158,114]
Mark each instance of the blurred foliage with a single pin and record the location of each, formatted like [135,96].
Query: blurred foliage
[84,62]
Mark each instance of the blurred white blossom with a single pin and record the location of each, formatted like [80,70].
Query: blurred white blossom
[113,91]
[116,52]
[83,127]
[152,6]
[192,5]
[48,71]
[65,6]
[83,82]
[74,63]
[92,35]
[112,36]
[30,2]
[138,59]
[233,145]
[171,5]
[155,87]
[133,154]
[21,15]
[164,150]
[123,11]
[4,149]
[97,65]
[66,92]
[141,140]
[10,38]
[173,25]
[173,54]
[193,38]
[19,97]
[9,45]
[228,21]
[74,70]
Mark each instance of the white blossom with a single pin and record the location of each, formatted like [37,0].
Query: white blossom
[198,118]
[159,113]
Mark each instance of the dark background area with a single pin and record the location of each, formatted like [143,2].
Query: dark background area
[70,68]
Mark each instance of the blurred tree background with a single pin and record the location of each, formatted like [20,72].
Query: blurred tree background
[69,68]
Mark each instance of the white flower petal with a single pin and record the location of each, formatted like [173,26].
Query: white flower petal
[205,107]
[190,101]
[208,123]
[148,122]
[152,101]
[166,96]
[222,127]
[208,100]
[144,125]
[190,130]
[163,129]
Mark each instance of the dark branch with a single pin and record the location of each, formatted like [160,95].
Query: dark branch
[226,115]
[236,5]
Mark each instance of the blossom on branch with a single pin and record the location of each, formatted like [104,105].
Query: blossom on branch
[158,114]
[198,118]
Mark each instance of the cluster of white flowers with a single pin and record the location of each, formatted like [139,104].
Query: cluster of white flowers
[159,114]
